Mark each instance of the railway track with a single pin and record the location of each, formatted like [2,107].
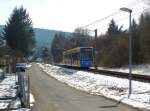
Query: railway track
[137,77]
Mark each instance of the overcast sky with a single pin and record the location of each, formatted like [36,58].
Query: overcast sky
[66,15]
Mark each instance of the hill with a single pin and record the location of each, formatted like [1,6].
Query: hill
[43,37]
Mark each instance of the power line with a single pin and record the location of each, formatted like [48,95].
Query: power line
[122,19]
[102,19]
[133,3]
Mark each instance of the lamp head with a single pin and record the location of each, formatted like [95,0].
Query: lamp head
[126,9]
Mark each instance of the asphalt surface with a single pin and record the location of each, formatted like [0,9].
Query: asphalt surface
[52,95]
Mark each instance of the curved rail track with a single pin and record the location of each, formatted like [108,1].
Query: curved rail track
[137,77]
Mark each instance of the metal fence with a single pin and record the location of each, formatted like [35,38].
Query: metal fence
[23,92]
[24,89]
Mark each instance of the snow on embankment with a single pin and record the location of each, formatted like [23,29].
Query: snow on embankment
[138,69]
[111,87]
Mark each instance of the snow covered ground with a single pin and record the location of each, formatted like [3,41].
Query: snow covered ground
[139,69]
[8,89]
[110,87]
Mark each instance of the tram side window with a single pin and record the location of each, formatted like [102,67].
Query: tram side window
[78,56]
[69,56]
[75,56]
[66,58]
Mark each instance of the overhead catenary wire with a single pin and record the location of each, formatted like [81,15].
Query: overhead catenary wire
[122,19]
[134,3]
[101,19]
[117,12]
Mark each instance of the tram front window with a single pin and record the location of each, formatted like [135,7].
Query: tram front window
[86,56]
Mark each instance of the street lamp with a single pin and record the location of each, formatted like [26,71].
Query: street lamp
[95,52]
[130,48]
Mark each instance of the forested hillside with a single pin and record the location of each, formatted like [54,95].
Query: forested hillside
[44,37]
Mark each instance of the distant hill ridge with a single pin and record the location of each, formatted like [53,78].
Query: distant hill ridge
[43,37]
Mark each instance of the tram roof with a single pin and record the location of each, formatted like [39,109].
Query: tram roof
[77,49]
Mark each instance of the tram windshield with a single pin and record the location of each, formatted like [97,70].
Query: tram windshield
[86,54]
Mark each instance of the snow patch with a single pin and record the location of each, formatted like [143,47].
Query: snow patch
[139,69]
[32,100]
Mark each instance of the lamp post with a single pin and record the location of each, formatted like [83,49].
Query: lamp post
[130,48]
[95,52]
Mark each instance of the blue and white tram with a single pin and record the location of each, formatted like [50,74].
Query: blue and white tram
[79,57]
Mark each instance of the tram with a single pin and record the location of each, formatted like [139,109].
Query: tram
[79,57]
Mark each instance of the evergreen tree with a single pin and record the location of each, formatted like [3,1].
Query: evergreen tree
[113,44]
[144,28]
[113,29]
[18,32]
